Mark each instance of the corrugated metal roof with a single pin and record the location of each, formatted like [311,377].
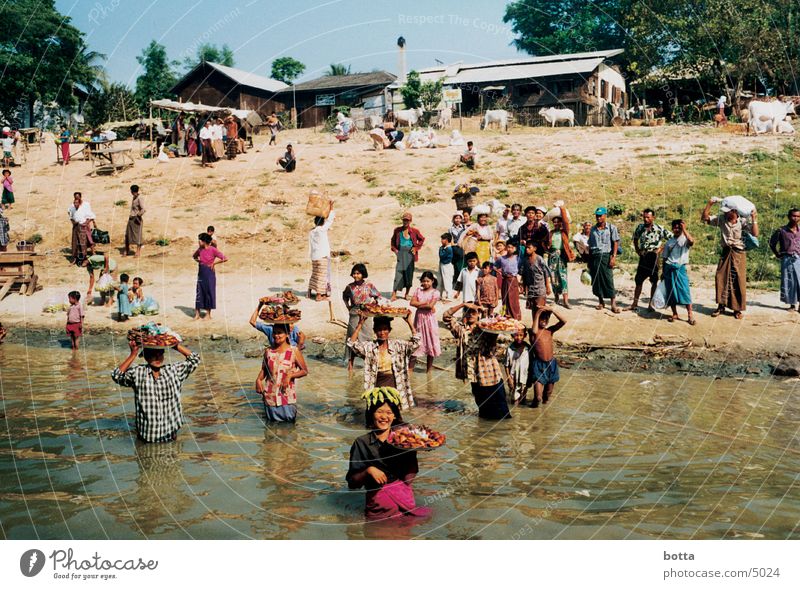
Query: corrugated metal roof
[244,78]
[526,71]
[519,68]
[350,81]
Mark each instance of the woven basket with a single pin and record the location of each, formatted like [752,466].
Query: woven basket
[464,201]
[25,246]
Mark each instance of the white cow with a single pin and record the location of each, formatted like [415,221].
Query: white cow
[773,112]
[557,115]
[409,117]
[499,117]
[445,116]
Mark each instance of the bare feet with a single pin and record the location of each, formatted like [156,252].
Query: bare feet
[615,309]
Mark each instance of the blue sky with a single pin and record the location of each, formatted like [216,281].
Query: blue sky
[360,33]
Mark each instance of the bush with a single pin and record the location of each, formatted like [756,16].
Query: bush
[615,209]
[162,241]
[35,238]
[120,203]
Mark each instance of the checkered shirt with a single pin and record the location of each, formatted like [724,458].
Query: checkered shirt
[476,359]
[157,400]
[400,352]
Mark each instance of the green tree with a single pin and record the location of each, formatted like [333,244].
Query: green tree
[112,102]
[546,27]
[338,69]
[287,69]
[411,90]
[208,52]
[43,57]
[158,76]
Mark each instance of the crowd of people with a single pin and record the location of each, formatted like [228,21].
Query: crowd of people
[486,268]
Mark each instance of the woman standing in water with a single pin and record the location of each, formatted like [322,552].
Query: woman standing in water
[386,472]
[283,364]
[386,361]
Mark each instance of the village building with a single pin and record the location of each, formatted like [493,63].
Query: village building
[591,84]
[213,84]
[315,100]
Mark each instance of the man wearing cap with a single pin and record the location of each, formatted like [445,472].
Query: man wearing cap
[603,246]
[406,242]
[731,278]
[648,240]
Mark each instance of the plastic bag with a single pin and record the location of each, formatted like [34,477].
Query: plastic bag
[586,278]
[163,157]
[105,283]
[660,298]
[556,212]
[738,203]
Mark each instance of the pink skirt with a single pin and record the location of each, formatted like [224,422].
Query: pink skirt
[393,500]
[428,328]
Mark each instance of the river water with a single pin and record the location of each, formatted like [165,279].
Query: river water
[614,455]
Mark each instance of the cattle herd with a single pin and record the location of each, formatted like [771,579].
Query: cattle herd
[760,116]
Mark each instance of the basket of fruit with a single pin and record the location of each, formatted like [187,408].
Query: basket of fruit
[376,310]
[500,325]
[279,314]
[415,437]
[287,298]
[154,336]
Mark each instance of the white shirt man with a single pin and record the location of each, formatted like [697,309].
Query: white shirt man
[216,132]
[82,214]
[8,144]
[205,133]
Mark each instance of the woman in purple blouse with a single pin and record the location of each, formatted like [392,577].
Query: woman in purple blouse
[207,257]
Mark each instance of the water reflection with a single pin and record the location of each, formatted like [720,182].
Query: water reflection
[613,456]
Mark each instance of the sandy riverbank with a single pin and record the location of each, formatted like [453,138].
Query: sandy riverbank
[259,216]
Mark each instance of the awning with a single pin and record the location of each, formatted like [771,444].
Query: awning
[124,124]
[249,116]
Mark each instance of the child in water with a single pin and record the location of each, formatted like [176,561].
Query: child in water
[384,471]
[543,366]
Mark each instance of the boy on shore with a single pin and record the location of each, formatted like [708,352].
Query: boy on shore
[446,269]
[75,315]
[543,366]
[535,279]
[488,289]
[467,283]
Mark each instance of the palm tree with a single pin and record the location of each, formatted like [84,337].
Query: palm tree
[338,69]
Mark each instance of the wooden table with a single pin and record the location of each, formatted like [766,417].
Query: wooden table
[112,159]
[17,268]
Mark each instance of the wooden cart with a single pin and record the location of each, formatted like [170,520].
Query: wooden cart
[17,270]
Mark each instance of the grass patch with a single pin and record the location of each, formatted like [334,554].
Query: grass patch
[120,203]
[35,238]
[409,197]
[370,176]
[162,241]
[640,133]
[235,218]
[576,159]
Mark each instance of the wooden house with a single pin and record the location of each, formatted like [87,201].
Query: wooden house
[214,84]
[590,84]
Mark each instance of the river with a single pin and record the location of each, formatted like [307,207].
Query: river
[614,455]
